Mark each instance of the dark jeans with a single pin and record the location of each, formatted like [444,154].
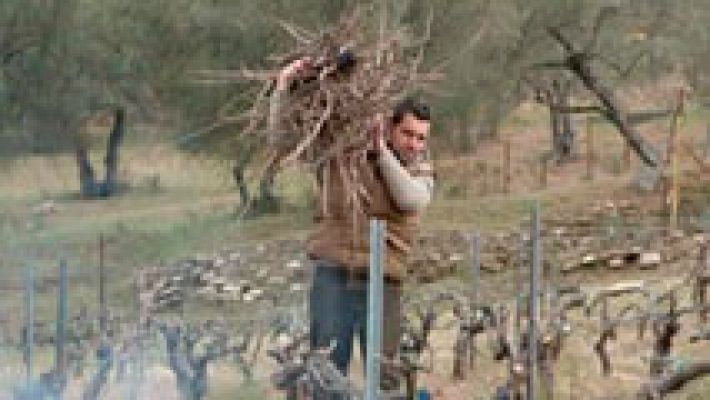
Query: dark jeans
[338,309]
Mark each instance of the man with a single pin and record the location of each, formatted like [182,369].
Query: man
[396,184]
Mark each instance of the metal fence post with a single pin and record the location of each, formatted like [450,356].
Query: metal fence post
[29,321]
[61,319]
[374,310]
[506,166]
[102,286]
[476,267]
[519,297]
[534,300]
[591,157]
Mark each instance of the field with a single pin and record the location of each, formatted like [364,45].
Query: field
[178,206]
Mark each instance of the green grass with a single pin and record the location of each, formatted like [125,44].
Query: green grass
[193,211]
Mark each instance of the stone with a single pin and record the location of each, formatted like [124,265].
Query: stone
[231,288]
[46,208]
[456,257]
[205,291]
[254,294]
[624,287]
[650,259]
[568,267]
[206,277]
[277,280]
[247,298]
[262,273]
[589,260]
[202,259]
[294,264]
[297,287]
[283,340]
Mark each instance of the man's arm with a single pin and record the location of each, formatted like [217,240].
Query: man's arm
[286,75]
[274,126]
[412,191]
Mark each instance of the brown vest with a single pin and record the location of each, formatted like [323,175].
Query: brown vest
[352,192]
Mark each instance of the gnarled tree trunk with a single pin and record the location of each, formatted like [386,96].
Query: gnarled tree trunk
[267,202]
[110,183]
[238,175]
[90,188]
[556,98]
[87,179]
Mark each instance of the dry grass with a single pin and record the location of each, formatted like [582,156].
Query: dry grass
[191,210]
[46,176]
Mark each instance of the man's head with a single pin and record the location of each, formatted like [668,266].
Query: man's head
[410,129]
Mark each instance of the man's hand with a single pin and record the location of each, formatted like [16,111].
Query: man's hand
[377,133]
[294,69]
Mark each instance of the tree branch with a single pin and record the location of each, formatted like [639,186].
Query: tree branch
[623,72]
[642,117]
[567,46]
[674,382]
[580,110]
[578,63]
[552,64]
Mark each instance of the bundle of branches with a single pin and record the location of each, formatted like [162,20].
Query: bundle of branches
[357,72]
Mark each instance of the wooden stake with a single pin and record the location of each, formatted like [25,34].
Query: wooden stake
[627,157]
[62,311]
[590,149]
[476,267]
[484,183]
[102,286]
[663,187]
[702,280]
[519,297]
[29,322]
[675,189]
[672,160]
[506,166]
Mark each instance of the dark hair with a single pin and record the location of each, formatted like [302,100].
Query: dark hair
[345,61]
[410,105]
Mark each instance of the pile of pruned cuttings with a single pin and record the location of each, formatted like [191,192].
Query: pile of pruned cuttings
[357,72]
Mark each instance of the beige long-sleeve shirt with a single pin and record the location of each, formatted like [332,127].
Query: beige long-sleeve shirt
[411,193]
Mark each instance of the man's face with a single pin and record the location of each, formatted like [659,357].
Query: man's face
[409,137]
